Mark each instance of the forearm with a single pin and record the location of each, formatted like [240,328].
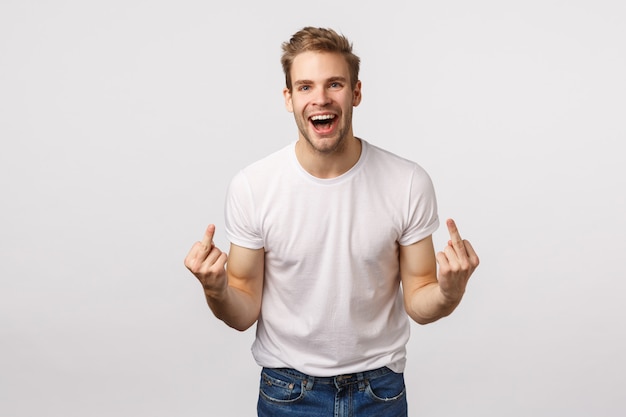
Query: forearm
[234,307]
[428,304]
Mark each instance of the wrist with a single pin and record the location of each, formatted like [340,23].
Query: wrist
[450,298]
[216,294]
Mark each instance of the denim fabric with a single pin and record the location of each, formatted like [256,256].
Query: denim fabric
[287,392]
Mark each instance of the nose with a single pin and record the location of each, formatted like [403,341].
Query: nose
[321,97]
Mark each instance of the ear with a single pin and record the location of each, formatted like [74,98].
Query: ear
[288,102]
[356,94]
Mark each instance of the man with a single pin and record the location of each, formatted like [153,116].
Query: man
[322,234]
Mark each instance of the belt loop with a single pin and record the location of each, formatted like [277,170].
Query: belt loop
[362,381]
[308,382]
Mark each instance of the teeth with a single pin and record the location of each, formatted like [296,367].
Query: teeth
[323,117]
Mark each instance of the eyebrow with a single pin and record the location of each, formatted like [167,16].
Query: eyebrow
[330,80]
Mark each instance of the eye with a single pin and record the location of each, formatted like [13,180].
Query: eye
[304,88]
[335,85]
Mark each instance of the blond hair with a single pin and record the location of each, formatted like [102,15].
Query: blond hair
[319,40]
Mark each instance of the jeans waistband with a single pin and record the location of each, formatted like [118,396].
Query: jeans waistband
[337,380]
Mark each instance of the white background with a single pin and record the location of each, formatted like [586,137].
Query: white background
[122,122]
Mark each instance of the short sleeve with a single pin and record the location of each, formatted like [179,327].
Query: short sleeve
[241,221]
[422,218]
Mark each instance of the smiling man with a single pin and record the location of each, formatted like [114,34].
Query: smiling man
[331,251]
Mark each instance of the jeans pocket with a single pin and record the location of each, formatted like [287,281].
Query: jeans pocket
[279,388]
[389,387]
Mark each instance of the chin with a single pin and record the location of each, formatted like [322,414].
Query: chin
[326,145]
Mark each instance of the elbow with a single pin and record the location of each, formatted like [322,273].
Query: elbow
[422,321]
[244,320]
[240,327]
[426,320]
[420,318]
[426,317]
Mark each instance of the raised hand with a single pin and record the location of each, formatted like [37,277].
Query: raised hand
[457,262]
[207,263]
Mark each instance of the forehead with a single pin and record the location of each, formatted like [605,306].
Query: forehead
[314,66]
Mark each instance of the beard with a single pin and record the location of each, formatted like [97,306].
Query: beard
[326,144]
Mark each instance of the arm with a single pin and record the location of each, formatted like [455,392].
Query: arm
[429,296]
[232,291]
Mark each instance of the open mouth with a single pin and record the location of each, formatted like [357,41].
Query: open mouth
[323,123]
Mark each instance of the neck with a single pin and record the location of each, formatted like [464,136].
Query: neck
[332,164]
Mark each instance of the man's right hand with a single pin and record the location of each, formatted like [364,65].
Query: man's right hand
[207,262]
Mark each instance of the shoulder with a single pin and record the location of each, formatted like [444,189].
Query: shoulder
[262,174]
[270,163]
[390,163]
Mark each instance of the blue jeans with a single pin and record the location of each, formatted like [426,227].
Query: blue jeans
[289,393]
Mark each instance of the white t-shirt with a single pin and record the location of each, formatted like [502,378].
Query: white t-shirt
[332,303]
